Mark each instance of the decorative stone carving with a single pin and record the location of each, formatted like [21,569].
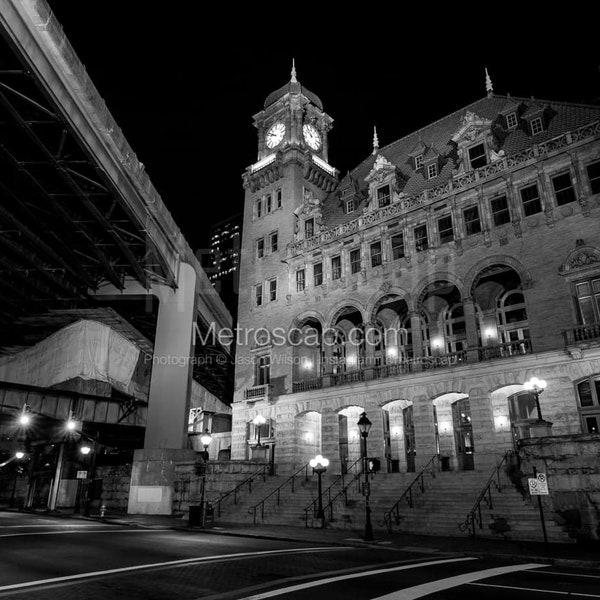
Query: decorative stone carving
[386,287]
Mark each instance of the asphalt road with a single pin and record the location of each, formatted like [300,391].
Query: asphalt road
[47,558]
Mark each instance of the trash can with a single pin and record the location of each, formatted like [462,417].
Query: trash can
[195,517]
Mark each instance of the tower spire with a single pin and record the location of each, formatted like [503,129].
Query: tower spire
[375,140]
[294,80]
[489,88]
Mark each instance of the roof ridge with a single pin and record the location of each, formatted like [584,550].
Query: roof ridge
[561,102]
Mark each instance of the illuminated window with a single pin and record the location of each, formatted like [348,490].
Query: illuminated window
[588,398]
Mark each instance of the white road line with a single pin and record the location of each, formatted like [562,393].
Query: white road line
[54,525]
[310,584]
[86,531]
[171,563]
[566,574]
[418,591]
[545,591]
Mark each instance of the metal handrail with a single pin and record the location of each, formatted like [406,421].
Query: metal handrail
[277,491]
[485,494]
[217,504]
[344,491]
[328,490]
[408,495]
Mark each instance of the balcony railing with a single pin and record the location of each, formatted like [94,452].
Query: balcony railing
[257,392]
[443,361]
[308,384]
[582,333]
[516,348]
[392,369]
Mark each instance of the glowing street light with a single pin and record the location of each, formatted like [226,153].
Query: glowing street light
[319,465]
[537,386]
[19,455]
[364,426]
[258,421]
[206,439]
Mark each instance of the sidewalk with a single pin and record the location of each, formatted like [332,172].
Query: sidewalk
[571,555]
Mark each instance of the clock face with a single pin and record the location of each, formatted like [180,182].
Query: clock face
[275,134]
[311,136]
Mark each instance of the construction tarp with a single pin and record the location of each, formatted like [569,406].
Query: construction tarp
[85,349]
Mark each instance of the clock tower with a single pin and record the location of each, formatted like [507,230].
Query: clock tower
[284,193]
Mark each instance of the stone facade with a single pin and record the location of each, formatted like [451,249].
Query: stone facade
[433,337]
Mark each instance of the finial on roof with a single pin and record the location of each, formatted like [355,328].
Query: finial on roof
[489,88]
[294,80]
[375,141]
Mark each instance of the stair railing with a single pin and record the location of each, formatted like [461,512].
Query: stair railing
[407,495]
[291,480]
[485,495]
[262,472]
[312,506]
[344,491]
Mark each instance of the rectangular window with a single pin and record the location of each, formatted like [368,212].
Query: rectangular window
[472,222]
[397,246]
[593,172]
[260,248]
[268,203]
[349,206]
[383,196]
[500,212]
[274,237]
[318,274]
[588,300]
[376,257]
[418,162]
[258,294]
[263,370]
[445,229]
[530,197]
[431,171]
[588,394]
[300,280]
[258,208]
[563,189]
[309,228]
[477,157]
[272,290]
[279,196]
[511,120]
[537,126]
[421,242]
[355,261]
[336,267]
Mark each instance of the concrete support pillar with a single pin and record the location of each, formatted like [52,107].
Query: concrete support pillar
[375,441]
[424,431]
[484,435]
[330,440]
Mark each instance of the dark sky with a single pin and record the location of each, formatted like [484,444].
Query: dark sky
[183,85]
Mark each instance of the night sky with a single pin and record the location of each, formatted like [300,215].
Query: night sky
[183,87]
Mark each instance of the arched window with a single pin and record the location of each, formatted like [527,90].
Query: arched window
[455,328]
[513,326]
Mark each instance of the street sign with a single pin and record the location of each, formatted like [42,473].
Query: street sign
[81,474]
[538,486]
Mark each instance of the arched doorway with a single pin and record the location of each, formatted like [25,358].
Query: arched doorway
[409,438]
[349,436]
[463,434]
[307,432]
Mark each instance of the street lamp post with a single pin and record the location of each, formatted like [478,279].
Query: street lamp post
[85,450]
[537,386]
[319,465]
[206,439]
[364,425]
[258,421]
[18,456]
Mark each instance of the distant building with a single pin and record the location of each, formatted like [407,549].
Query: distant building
[225,245]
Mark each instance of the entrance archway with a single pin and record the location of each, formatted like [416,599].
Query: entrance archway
[307,433]
[349,436]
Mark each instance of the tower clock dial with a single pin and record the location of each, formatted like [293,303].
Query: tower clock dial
[311,136]
[275,134]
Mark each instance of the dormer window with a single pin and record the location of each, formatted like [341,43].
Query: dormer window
[349,206]
[537,126]
[511,120]
[418,162]
[309,228]
[383,196]
[477,156]
[432,171]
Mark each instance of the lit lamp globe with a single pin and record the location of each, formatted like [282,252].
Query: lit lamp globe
[19,455]
[541,427]
[85,450]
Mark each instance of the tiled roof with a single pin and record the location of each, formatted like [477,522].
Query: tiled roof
[563,117]
[292,87]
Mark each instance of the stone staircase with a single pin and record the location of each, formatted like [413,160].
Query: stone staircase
[439,510]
